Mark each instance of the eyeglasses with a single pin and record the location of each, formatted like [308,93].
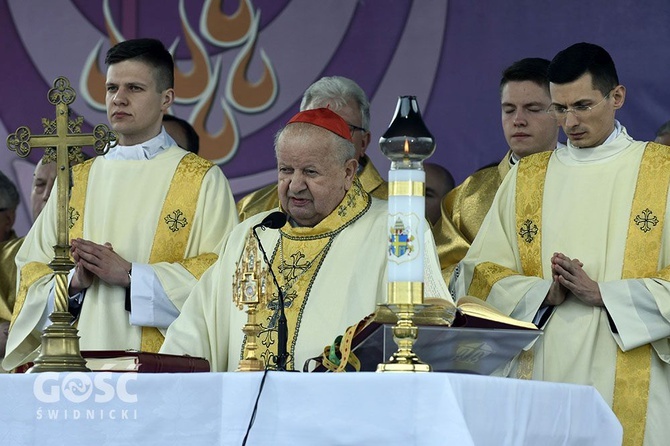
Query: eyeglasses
[561,113]
[353,128]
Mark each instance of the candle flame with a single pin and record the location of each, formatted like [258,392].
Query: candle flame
[406,147]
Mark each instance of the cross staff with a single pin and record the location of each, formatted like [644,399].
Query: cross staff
[60,342]
[21,142]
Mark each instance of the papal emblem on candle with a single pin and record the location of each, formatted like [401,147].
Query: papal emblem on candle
[401,241]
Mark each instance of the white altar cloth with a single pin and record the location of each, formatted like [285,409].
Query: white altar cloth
[299,409]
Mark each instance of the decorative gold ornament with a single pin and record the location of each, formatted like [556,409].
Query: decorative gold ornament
[251,287]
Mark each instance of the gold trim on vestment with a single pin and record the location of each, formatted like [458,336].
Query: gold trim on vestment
[297,257]
[529,193]
[80,174]
[407,188]
[199,264]
[30,273]
[643,244]
[485,275]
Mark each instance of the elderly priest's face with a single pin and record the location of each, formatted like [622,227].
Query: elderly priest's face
[315,170]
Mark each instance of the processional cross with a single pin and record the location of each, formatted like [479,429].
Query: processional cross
[60,342]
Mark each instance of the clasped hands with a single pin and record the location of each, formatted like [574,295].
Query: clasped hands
[94,260]
[568,275]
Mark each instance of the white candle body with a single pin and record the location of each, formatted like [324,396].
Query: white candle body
[406,225]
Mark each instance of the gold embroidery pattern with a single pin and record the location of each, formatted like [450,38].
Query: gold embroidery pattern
[169,244]
[73,216]
[298,275]
[525,361]
[528,231]
[175,220]
[199,264]
[80,173]
[633,368]
[644,220]
[486,275]
[528,202]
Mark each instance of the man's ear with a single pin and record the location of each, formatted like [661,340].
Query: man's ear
[168,99]
[350,168]
[366,140]
[619,96]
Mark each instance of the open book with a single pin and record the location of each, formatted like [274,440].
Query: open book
[469,312]
[142,362]
[476,313]
[471,337]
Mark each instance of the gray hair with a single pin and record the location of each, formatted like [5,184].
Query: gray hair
[9,196]
[344,149]
[336,91]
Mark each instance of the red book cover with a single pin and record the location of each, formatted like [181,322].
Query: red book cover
[142,362]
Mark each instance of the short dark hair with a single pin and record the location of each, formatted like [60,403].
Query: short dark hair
[9,195]
[149,51]
[581,58]
[664,129]
[532,69]
[192,138]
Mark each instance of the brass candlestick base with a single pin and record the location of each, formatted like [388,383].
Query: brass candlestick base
[404,335]
[60,347]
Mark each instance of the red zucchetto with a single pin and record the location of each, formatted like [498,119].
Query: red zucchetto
[324,118]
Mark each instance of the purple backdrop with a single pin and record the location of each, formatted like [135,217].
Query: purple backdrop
[448,54]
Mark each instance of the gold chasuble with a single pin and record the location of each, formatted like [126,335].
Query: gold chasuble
[168,215]
[267,198]
[605,206]
[297,257]
[8,250]
[463,211]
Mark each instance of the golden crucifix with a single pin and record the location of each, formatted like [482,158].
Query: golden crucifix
[60,342]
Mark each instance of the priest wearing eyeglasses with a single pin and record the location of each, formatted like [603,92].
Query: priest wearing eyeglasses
[576,241]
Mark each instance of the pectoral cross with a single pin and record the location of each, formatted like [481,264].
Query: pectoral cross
[67,146]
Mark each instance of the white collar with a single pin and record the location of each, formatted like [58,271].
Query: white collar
[143,151]
[616,143]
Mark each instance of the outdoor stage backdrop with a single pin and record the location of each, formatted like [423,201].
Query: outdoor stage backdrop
[242,66]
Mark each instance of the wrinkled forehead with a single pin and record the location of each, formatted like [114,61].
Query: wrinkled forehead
[301,140]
